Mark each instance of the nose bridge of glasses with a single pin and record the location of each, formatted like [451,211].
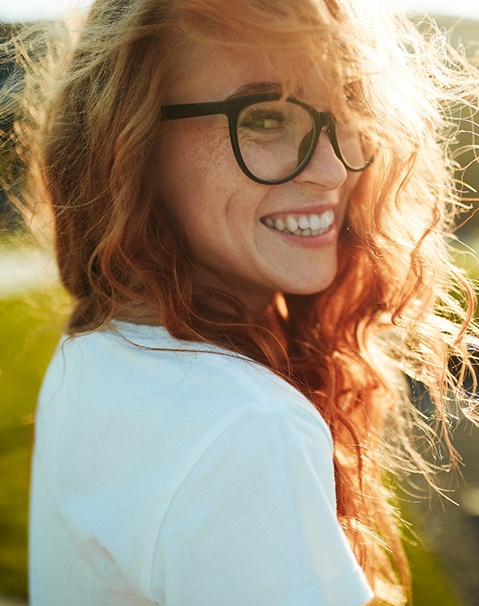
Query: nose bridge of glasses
[323,121]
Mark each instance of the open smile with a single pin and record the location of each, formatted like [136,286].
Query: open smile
[304,224]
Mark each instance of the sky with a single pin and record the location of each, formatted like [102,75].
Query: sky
[11,10]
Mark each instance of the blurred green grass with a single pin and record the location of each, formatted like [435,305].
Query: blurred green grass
[30,326]
[430,584]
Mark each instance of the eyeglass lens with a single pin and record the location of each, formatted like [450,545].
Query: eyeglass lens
[274,138]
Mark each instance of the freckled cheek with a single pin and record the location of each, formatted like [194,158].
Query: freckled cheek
[203,182]
[180,165]
[208,156]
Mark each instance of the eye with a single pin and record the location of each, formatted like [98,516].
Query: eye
[263,119]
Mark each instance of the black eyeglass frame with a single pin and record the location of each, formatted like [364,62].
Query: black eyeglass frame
[234,106]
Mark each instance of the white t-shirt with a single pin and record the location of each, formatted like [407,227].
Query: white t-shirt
[183,479]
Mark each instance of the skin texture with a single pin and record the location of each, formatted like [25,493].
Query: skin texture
[220,210]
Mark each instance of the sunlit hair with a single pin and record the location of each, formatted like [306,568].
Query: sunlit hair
[397,307]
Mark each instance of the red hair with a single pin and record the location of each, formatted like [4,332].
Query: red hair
[389,311]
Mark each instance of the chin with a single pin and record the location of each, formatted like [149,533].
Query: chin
[313,286]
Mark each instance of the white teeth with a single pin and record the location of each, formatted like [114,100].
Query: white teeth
[314,222]
[304,225]
[324,221]
[303,222]
[291,224]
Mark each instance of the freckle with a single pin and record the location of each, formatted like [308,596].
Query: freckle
[210,151]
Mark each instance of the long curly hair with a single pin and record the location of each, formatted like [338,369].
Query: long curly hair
[398,306]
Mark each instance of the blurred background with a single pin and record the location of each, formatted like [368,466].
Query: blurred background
[443,534]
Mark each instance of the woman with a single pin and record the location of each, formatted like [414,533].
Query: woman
[249,207]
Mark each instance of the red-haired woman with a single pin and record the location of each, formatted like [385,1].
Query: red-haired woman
[249,206]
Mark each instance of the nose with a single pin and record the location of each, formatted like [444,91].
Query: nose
[324,167]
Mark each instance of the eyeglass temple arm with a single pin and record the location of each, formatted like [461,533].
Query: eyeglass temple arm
[190,110]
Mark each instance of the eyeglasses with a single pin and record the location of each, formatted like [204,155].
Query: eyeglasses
[274,138]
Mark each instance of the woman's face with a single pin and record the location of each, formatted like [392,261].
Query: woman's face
[233,226]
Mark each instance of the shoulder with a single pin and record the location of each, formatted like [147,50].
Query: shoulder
[136,364]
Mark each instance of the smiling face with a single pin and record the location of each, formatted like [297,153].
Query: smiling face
[245,238]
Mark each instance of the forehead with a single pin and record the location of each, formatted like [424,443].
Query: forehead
[211,72]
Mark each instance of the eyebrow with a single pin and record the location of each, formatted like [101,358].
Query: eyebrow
[256,87]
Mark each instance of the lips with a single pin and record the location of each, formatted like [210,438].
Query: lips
[301,224]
